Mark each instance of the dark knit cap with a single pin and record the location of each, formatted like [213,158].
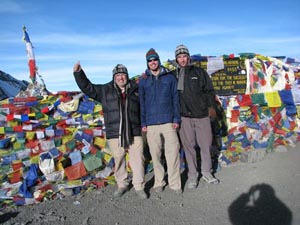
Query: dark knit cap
[181,49]
[119,68]
[152,54]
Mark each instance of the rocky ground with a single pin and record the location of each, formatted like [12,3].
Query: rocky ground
[265,192]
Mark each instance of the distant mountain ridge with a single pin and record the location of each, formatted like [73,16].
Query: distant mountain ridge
[10,86]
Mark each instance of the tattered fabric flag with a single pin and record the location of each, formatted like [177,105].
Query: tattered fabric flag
[258,99]
[273,99]
[30,55]
[244,100]
[286,97]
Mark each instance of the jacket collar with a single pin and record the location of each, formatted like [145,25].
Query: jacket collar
[163,71]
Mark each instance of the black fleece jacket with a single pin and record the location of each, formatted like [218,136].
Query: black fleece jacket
[198,94]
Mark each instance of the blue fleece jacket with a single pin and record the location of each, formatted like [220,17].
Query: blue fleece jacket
[159,99]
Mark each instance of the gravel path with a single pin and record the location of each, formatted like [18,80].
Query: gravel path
[266,192]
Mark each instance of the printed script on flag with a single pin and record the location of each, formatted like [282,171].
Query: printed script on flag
[30,55]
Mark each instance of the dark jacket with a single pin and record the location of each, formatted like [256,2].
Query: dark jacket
[109,96]
[198,94]
[159,98]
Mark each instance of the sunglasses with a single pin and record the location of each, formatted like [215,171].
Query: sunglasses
[152,60]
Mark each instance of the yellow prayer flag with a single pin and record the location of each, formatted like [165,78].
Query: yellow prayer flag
[100,142]
[30,135]
[107,157]
[62,148]
[273,99]
[13,123]
[67,138]
[31,115]
[87,117]
[298,111]
[35,159]
[5,101]
[58,166]
[17,145]
[72,130]
[97,108]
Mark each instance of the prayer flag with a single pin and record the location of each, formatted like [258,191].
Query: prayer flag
[30,55]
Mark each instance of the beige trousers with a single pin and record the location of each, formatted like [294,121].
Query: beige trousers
[171,144]
[136,162]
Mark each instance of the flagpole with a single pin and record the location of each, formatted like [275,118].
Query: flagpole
[33,69]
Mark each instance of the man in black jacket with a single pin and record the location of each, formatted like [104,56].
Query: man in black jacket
[197,105]
[121,109]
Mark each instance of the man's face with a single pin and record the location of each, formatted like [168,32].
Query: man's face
[121,79]
[182,60]
[153,64]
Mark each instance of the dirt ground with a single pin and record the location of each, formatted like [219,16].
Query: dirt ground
[265,192]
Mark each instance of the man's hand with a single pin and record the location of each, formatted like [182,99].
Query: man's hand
[144,129]
[144,76]
[175,126]
[212,112]
[77,67]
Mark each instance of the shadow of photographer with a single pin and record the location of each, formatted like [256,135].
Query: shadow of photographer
[259,206]
[7,216]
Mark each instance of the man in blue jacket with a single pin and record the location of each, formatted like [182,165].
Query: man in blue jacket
[121,111]
[160,118]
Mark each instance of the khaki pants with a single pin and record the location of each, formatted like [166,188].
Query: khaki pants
[136,161]
[171,143]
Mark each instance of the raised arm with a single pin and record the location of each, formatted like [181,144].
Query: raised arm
[85,85]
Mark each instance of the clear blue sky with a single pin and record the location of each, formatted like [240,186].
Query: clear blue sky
[102,33]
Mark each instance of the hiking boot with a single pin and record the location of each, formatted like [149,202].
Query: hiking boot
[192,184]
[159,189]
[119,192]
[141,194]
[208,178]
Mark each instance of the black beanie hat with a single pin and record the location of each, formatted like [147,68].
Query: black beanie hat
[119,68]
[181,49]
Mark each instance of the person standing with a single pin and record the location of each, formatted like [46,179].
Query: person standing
[160,119]
[121,109]
[197,105]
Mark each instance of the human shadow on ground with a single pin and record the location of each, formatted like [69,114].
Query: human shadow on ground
[259,206]
[7,216]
